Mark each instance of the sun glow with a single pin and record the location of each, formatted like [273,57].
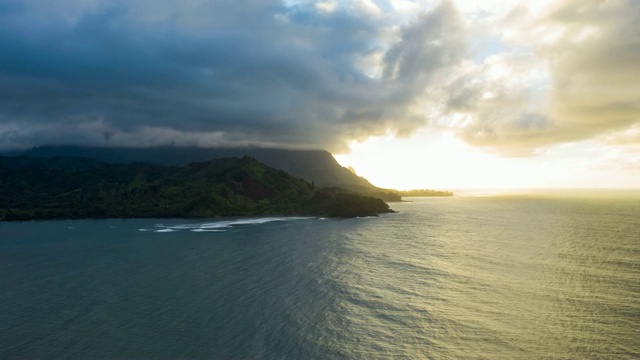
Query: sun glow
[440,161]
[424,161]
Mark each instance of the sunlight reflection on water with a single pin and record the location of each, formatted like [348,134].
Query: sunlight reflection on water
[497,277]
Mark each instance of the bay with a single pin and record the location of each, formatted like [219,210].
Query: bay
[546,275]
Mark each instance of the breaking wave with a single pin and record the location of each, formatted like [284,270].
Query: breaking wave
[220,226]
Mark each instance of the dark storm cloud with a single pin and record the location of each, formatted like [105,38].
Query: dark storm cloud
[211,73]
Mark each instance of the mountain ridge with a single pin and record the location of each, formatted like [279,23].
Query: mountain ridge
[318,167]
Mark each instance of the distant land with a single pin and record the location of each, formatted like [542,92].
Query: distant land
[73,187]
[425,192]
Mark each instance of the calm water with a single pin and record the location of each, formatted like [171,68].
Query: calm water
[529,277]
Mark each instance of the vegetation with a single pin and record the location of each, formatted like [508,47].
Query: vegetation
[315,166]
[425,192]
[70,187]
[372,191]
[339,202]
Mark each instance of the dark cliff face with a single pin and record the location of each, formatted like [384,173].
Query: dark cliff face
[64,187]
[317,166]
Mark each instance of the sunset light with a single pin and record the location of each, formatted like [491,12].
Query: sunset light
[441,161]
[320,179]
[443,94]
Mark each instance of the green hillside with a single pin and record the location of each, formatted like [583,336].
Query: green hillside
[314,166]
[67,187]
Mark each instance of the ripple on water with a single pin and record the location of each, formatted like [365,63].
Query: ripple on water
[456,278]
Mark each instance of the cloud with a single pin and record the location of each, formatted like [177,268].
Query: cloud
[569,72]
[215,73]
[596,65]
[504,76]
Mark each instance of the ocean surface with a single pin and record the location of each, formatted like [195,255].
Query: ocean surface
[481,276]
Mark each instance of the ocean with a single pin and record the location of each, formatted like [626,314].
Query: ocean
[478,276]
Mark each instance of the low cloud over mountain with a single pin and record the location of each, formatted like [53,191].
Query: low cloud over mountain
[316,74]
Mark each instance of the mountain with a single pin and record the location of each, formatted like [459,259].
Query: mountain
[315,166]
[71,187]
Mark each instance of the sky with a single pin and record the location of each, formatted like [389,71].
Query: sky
[411,94]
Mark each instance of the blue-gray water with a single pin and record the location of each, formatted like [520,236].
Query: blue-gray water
[520,277]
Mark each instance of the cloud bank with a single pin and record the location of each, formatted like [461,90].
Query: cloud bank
[315,74]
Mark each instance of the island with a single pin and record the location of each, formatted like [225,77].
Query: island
[424,192]
[74,187]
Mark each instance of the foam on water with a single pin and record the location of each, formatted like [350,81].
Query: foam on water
[208,230]
[222,225]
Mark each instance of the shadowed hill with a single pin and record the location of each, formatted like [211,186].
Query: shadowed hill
[65,187]
[315,166]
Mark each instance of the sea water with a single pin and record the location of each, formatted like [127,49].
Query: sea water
[543,276]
